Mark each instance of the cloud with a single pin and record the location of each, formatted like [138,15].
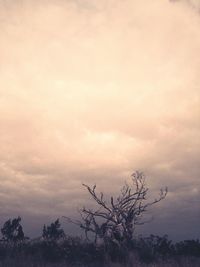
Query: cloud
[90,91]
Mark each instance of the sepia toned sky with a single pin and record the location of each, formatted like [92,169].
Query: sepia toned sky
[91,91]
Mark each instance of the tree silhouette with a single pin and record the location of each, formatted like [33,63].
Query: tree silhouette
[12,231]
[115,220]
[53,232]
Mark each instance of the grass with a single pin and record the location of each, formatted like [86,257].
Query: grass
[134,261]
[73,252]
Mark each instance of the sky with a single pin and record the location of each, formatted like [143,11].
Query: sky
[91,91]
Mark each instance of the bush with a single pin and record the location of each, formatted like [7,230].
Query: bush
[188,248]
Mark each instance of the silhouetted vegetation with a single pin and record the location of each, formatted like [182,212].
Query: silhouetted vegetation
[12,231]
[115,220]
[53,232]
[75,251]
[119,246]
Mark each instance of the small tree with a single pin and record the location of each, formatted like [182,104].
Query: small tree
[115,220]
[12,231]
[53,232]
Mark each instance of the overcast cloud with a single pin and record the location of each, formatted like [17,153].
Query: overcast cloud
[91,91]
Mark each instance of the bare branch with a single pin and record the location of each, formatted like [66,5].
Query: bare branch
[124,212]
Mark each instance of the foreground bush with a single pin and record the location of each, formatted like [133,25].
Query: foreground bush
[73,251]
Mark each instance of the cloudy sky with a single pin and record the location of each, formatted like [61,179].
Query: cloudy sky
[89,92]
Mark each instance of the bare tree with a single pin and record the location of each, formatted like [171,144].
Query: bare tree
[116,219]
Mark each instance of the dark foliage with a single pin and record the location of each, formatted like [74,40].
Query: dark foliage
[154,247]
[53,232]
[188,248]
[76,251]
[12,231]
